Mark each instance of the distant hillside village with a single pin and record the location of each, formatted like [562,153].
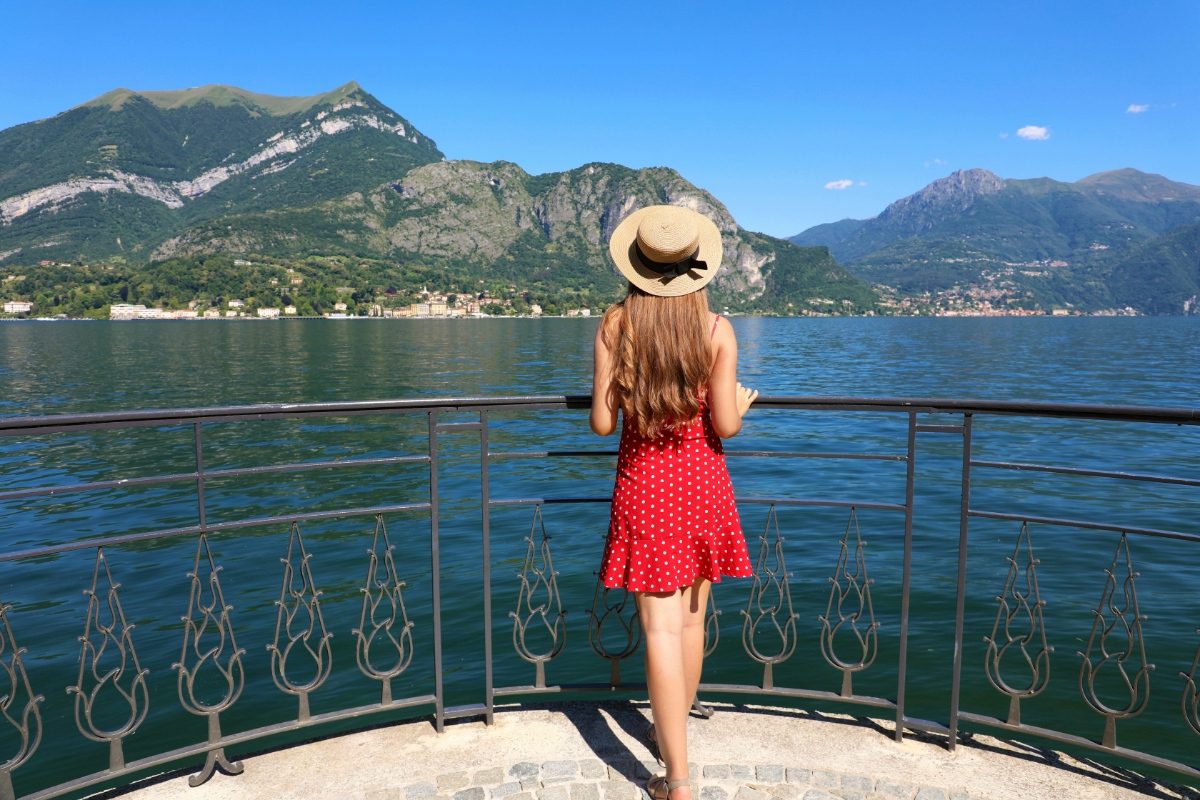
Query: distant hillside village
[431,305]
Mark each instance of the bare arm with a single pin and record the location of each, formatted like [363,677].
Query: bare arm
[604,406]
[728,400]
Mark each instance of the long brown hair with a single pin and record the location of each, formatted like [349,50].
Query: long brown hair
[661,357]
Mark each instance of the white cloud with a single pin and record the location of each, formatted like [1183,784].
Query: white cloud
[1034,133]
[862,183]
[1137,108]
[935,162]
[844,183]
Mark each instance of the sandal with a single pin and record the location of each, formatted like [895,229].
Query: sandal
[651,737]
[659,788]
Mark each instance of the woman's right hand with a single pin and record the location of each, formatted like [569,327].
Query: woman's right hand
[745,397]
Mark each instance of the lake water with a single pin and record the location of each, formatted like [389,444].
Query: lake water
[55,368]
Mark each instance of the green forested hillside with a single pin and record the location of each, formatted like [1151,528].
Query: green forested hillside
[154,197]
[1052,243]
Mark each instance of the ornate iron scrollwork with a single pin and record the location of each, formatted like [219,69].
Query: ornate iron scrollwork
[1191,694]
[383,624]
[108,665]
[299,622]
[712,624]
[539,601]
[770,598]
[624,614]
[209,646]
[850,603]
[1019,625]
[1121,622]
[18,705]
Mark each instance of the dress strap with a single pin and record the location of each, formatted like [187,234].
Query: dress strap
[716,319]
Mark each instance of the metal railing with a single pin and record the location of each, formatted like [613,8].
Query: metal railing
[1017,654]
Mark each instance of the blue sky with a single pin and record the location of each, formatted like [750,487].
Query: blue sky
[765,104]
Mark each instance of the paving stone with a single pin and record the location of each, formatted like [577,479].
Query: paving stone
[453,781]
[523,770]
[559,769]
[820,794]
[531,784]
[856,787]
[751,793]
[640,771]
[713,793]
[770,773]
[786,791]
[559,791]
[959,794]
[486,777]
[585,791]
[420,790]
[505,789]
[894,790]
[824,779]
[800,776]
[930,793]
[741,772]
[389,793]
[522,796]
[470,793]
[619,790]
[593,769]
[859,784]
[716,772]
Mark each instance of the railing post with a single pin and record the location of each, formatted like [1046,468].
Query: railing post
[906,575]
[436,569]
[485,512]
[199,439]
[961,592]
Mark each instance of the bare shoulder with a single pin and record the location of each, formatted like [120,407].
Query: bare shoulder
[609,323]
[724,331]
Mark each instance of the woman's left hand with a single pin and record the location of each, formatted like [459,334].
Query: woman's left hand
[745,397]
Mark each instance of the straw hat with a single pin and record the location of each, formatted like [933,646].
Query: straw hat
[667,250]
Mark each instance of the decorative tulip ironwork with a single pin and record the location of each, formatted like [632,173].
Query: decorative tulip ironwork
[849,610]
[19,706]
[623,614]
[108,666]
[209,647]
[1191,695]
[538,604]
[769,612]
[384,624]
[299,622]
[1019,632]
[1118,621]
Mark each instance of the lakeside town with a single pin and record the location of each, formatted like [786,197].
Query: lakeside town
[993,294]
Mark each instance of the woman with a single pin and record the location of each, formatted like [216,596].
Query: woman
[670,366]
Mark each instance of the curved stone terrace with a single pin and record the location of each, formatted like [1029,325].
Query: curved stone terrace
[509,743]
[584,751]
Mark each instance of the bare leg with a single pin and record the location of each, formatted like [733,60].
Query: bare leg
[694,610]
[662,618]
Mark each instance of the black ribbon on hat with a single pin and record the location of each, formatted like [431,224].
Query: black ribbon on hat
[673,269]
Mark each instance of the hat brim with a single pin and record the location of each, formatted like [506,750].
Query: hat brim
[625,255]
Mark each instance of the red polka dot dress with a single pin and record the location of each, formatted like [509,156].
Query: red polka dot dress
[674,518]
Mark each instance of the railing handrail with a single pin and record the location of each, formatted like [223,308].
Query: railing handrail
[383,584]
[1175,415]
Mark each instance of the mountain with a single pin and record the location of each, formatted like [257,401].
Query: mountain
[1052,242]
[178,177]
[109,177]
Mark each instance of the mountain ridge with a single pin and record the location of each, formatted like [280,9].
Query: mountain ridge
[219,94]
[1056,242]
[187,176]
